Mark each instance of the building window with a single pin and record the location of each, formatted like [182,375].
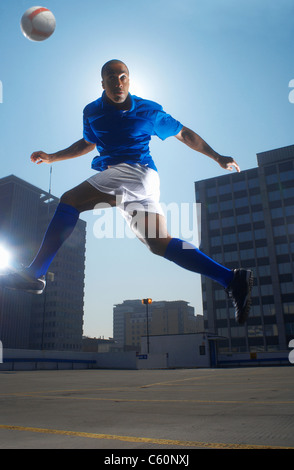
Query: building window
[219,294]
[230,256]
[211,192]
[224,189]
[214,224]
[238,332]
[245,236]
[279,230]
[255,311]
[286,287]
[266,289]
[255,330]
[221,313]
[257,216]
[215,241]
[288,307]
[284,268]
[242,202]
[282,249]
[259,234]
[212,207]
[270,179]
[225,205]
[261,251]
[271,330]
[264,270]
[247,254]
[289,327]
[228,222]
[229,238]
[239,185]
[269,309]
[255,199]
[223,332]
[243,219]
[287,176]
[202,350]
[253,183]
[288,192]
[289,212]
[274,195]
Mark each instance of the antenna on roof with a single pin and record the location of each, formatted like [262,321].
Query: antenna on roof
[50,183]
[50,179]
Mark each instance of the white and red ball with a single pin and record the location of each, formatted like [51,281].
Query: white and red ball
[38,23]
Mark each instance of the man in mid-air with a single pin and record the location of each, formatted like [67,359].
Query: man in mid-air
[120,126]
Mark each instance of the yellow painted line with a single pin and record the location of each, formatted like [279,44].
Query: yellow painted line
[122,388]
[145,400]
[39,394]
[145,440]
[174,382]
[70,390]
[204,378]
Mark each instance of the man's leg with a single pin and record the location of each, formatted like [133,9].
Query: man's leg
[152,230]
[59,229]
[79,199]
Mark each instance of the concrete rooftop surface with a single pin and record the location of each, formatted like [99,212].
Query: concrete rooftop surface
[244,408]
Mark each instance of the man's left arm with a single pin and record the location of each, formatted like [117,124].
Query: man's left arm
[195,142]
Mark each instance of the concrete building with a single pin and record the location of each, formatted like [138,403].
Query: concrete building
[174,317]
[53,320]
[178,351]
[248,221]
[99,345]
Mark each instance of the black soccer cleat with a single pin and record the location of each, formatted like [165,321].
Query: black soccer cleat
[239,290]
[20,280]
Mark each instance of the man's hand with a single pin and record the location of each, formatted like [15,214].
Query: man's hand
[195,142]
[228,163]
[81,147]
[40,157]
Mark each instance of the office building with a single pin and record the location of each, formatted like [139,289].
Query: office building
[53,320]
[247,220]
[173,317]
[99,345]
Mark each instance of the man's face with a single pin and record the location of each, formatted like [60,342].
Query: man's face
[115,82]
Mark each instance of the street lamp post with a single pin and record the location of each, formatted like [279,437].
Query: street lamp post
[147,302]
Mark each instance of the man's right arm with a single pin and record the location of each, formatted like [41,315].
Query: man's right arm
[81,147]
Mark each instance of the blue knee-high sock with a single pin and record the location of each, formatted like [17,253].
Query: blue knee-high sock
[59,229]
[189,257]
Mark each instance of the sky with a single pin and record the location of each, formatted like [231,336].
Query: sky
[221,67]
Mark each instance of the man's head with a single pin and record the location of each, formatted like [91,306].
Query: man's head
[115,80]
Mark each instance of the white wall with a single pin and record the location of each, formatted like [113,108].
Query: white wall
[23,359]
[180,350]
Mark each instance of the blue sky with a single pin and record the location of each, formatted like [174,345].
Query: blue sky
[221,67]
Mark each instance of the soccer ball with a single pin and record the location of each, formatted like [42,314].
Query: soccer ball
[38,23]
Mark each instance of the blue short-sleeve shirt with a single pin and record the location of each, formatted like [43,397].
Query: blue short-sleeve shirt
[124,136]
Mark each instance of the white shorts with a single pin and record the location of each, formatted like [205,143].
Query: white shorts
[136,187]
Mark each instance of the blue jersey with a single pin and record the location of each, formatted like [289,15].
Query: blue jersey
[124,136]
